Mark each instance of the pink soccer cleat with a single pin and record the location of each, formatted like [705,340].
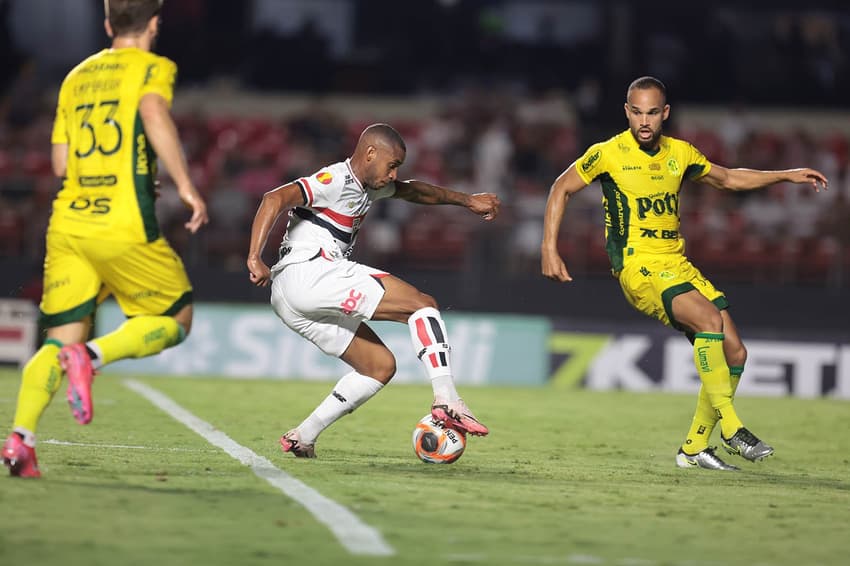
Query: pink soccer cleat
[76,362]
[20,458]
[457,415]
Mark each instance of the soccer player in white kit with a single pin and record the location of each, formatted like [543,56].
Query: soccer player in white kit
[326,298]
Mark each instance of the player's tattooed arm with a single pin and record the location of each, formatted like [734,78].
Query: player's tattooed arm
[485,205]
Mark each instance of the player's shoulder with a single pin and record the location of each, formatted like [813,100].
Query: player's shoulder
[87,65]
[590,164]
[119,60]
[333,175]
[677,144]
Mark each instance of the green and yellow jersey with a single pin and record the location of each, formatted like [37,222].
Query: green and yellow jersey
[108,191]
[640,193]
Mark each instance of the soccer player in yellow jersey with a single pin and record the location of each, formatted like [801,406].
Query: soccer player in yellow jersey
[112,122]
[641,171]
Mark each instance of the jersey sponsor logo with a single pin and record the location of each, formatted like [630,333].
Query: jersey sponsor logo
[100,205]
[655,167]
[673,167]
[657,177]
[667,275]
[590,162]
[141,155]
[702,358]
[324,178]
[350,303]
[98,180]
[658,233]
[150,73]
[623,147]
[631,167]
[666,205]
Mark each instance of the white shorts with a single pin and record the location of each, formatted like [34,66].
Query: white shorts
[325,301]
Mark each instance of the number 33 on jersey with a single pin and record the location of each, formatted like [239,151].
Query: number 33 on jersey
[108,191]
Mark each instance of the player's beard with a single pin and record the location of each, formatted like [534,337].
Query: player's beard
[651,143]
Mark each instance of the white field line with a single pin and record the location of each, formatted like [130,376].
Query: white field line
[119,446]
[355,535]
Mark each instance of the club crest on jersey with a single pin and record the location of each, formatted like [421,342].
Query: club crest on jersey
[324,178]
[673,167]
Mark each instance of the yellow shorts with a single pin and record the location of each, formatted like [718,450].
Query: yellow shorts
[650,283]
[146,278]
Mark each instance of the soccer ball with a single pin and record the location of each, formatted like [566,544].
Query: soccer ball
[436,443]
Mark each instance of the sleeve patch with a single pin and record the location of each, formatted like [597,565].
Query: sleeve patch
[591,161]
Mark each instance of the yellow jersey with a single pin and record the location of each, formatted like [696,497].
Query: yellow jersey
[108,189]
[640,193]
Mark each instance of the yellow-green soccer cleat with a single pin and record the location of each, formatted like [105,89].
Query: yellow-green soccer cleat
[706,459]
[747,445]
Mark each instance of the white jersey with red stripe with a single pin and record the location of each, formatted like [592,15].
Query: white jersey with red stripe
[335,204]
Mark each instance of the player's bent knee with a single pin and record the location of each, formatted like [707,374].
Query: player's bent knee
[184,319]
[736,355]
[382,369]
[709,321]
[426,301]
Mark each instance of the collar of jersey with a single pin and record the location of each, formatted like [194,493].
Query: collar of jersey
[632,142]
[353,176]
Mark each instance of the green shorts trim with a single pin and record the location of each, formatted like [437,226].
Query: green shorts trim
[667,298]
[75,314]
[184,300]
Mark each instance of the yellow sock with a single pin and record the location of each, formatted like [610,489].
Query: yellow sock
[735,377]
[41,379]
[137,338]
[714,374]
[702,425]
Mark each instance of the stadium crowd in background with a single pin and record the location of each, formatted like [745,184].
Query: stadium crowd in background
[501,127]
[508,147]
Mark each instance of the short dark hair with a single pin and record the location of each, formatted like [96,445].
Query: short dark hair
[128,17]
[647,82]
[386,133]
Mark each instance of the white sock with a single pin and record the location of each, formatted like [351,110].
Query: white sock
[98,355]
[29,436]
[431,344]
[351,391]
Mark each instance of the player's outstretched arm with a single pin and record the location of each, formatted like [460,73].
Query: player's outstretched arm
[551,263]
[749,179]
[162,134]
[485,205]
[274,203]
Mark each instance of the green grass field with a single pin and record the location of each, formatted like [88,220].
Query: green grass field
[566,477]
